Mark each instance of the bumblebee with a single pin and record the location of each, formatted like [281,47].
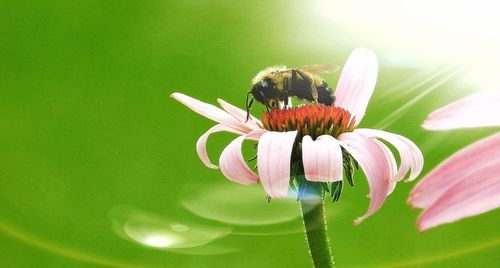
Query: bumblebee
[274,86]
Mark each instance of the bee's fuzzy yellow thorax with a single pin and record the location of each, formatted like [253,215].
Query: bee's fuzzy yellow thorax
[267,72]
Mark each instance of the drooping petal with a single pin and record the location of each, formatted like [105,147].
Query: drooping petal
[479,110]
[233,165]
[322,159]
[455,169]
[357,82]
[476,193]
[392,187]
[240,114]
[411,156]
[393,166]
[372,159]
[201,145]
[273,160]
[211,112]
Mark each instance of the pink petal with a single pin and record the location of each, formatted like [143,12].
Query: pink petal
[233,165]
[322,159]
[392,186]
[479,110]
[411,156]
[211,112]
[393,166]
[240,114]
[201,145]
[476,193]
[357,82]
[455,169]
[273,160]
[373,160]
[256,134]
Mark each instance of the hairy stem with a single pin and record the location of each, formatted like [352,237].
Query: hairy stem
[313,214]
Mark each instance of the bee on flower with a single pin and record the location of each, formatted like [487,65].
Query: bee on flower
[313,144]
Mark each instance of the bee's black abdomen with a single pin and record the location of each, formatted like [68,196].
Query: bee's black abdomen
[302,90]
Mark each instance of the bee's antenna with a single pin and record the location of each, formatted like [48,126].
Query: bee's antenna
[248,105]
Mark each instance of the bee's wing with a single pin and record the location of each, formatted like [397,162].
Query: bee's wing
[319,68]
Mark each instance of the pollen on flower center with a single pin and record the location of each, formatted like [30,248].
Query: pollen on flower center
[311,119]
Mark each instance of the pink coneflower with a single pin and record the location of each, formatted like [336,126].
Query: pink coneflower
[310,146]
[468,182]
[313,140]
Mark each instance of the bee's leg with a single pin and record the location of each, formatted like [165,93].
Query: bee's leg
[287,85]
[248,105]
[314,91]
[266,102]
[251,102]
[294,78]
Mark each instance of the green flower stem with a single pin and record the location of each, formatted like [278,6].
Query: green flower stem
[313,214]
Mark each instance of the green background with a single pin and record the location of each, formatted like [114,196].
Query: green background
[92,149]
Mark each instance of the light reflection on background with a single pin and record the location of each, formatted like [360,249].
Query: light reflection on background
[236,210]
[166,233]
[158,241]
[238,205]
[245,208]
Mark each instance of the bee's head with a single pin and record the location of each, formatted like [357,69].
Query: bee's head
[264,91]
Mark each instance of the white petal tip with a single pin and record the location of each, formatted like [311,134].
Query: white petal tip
[358,220]
[430,126]
[409,179]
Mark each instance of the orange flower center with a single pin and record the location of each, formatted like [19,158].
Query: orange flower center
[310,119]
